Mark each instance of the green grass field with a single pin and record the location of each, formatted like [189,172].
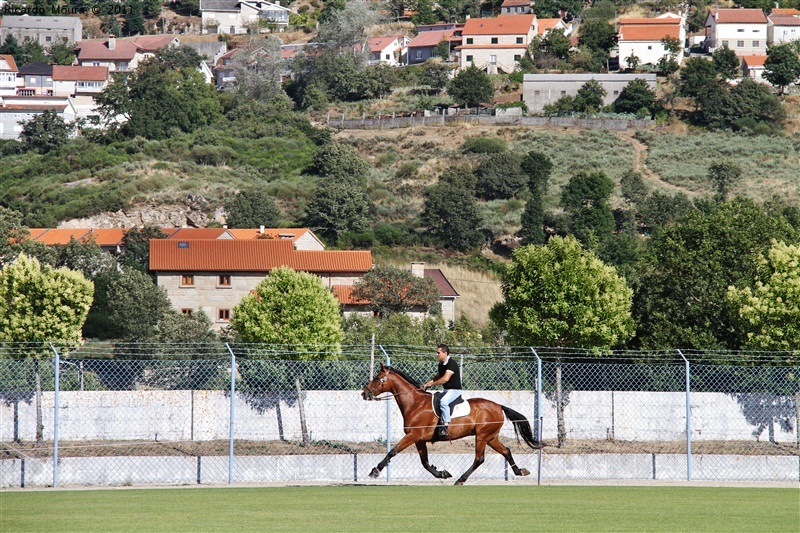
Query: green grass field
[405,508]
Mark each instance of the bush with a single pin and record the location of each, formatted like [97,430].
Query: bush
[483,145]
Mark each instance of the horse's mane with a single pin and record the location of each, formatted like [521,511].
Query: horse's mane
[406,377]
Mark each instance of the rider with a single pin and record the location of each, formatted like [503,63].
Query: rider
[448,375]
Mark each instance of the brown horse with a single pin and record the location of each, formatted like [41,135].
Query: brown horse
[484,421]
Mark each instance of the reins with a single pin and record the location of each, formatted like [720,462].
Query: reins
[393,394]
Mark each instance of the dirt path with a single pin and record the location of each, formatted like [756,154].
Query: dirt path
[640,165]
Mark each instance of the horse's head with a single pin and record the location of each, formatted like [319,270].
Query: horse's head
[378,385]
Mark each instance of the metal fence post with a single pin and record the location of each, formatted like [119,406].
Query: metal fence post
[388,424]
[538,406]
[56,386]
[688,420]
[233,413]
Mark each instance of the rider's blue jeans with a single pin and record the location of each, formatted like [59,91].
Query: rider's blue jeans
[448,396]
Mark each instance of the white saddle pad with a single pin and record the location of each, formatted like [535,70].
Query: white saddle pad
[461,409]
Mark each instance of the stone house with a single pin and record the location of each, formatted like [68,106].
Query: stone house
[742,30]
[539,90]
[45,30]
[235,16]
[496,44]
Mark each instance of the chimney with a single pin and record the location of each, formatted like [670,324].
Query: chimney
[112,42]
[418,269]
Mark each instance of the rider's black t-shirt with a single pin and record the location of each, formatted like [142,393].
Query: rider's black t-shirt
[455,380]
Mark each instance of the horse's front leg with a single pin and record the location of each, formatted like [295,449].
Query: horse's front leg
[422,449]
[480,448]
[404,443]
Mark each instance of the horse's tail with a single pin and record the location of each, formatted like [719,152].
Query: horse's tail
[522,427]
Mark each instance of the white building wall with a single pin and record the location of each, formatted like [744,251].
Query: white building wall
[744,39]
[648,52]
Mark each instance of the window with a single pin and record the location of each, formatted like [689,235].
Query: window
[469,59]
[517,57]
[493,59]
[469,40]
[519,40]
[48,38]
[224,315]
[224,280]
[419,53]
[616,93]
[739,44]
[563,93]
[756,44]
[388,57]
[740,30]
[536,93]
[494,40]
[187,280]
[724,43]
[186,311]
[233,29]
[649,47]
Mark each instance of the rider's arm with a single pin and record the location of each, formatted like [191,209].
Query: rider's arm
[440,380]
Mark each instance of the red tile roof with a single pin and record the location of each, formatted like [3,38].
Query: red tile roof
[546,24]
[257,255]
[502,25]
[108,236]
[269,233]
[101,236]
[97,49]
[648,33]
[515,3]
[61,236]
[344,293]
[739,16]
[649,21]
[8,58]
[785,11]
[754,60]
[153,43]
[784,20]
[377,44]
[442,284]
[75,73]
[197,233]
[430,38]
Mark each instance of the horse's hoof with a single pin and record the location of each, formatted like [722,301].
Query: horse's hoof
[524,472]
[444,474]
[459,482]
[375,472]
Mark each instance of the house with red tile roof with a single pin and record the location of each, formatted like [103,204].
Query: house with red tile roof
[9,81]
[15,110]
[642,38]
[742,30]
[236,16]
[496,44]
[109,239]
[550,24]
[121,55]
[753,67]
[783,28]
[515,7]
[214,275]
[391,50]
[423,47]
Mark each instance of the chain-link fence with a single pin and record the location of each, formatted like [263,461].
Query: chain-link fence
[139,414]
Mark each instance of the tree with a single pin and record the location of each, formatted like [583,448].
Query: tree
[633,61]
[707,252]
[632,187]
[561,295]
[451,214]
[136,247]
[726,62]
[85,257]
[31,51]
[347,29]
[293,309]
[585,200]
[341,162]
[767,312]
[156,100]
[556,44]
[338,207]
[11,47]
[724,176]
[782,67]
[435,74]
[424,13]
[391,290]
[597,35]
[258,68]
[178,57]
[471,87]
[39,304]
[45,132]
[136,306]
[636,97]
[134,18]
[500,176]
[61,52]
[696,75]
[538,167]
[590,97]
[252,209]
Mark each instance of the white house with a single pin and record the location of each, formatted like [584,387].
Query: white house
[392,50]
[550,24]
[782,28]
[496,44]
[121,55]
[742,30]
[14,110]
[9,81]
[642,38]
[753,67]
[515,7]
[235,16]
[81,85]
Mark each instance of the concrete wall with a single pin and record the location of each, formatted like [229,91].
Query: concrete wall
[539,90]
[344,468]
[344,416]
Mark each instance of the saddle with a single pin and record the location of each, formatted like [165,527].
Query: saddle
[458,407]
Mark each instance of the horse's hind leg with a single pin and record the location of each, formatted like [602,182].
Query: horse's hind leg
[503,450]
[480,448]
[422,449]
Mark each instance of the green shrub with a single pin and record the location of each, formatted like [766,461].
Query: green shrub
[483,145]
